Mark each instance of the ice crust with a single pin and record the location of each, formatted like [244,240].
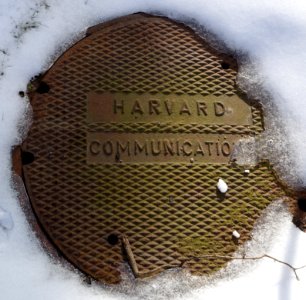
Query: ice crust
[269,40]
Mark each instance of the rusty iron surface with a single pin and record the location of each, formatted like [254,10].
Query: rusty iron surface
[102,202]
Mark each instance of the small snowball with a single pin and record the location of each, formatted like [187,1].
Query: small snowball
[6,220]
[222,186]
[236,234]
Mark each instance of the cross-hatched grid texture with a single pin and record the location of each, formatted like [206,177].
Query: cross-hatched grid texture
[168,210]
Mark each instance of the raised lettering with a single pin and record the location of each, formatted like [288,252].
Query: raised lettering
[185,109]
[121,108]
[209,144]
[118,106]
[121,148]
[94,147]
[169,107]
[168,147]
[137,109]
[219,109]
[201,108]
[218,148]
[108,148]
[177,148]
[154,107]
[112,147]
[138,148]
[226,149]
[199,149]
[184,150]
[155,151]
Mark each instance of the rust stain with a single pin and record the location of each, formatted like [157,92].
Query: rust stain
[162,208]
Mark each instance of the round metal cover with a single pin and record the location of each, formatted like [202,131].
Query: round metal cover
[132,128]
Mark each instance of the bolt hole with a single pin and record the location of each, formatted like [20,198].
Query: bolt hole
[21,94]
[302,204]
[43,88]
[27,157]
[225,65]
[113,239]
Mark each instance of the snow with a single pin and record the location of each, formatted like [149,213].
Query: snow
[236,234]
[6,221]
[222,186]
[268,37]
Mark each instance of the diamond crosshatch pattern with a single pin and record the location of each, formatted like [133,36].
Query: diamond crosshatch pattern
[168,211]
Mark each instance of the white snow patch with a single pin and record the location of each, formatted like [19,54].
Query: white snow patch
[6,220]
[222,186]
[236,234]
[271,34]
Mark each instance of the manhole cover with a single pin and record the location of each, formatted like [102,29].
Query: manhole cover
[133,126]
